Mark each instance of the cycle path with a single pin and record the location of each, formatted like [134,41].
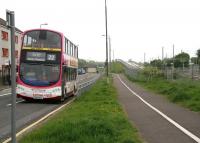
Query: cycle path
[152,126]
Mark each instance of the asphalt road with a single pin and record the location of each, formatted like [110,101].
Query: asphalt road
[152,126]
[27,112]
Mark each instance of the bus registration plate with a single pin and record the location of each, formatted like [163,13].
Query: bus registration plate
[38,94]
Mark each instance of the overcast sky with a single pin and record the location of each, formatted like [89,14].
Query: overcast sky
[135,26]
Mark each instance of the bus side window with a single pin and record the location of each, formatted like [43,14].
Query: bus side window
[66,42]
[68,74]
[72,74]
[75,73]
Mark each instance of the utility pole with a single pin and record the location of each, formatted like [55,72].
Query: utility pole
[162,53]
[173,64]
[106,38]
[110,52]
[10,19]
[163,63]
[113,55]
[173,53]
[144,57]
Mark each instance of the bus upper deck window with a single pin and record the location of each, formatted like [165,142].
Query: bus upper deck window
[43,35]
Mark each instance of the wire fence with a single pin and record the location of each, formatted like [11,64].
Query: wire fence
[169,73]
[192,72]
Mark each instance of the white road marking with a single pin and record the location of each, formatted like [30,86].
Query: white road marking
[16,103]
[6,89]
[5,94]
[191,135]
[40,120]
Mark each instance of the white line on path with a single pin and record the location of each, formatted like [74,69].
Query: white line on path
[5,94]
[191,135]
[16,102]
[40,120]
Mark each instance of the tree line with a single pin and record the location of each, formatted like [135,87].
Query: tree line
[180,60]
[89,63]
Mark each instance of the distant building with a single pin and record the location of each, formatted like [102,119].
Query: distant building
[91,69]
[5,41]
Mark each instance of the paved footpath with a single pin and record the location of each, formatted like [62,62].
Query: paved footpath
[164,123]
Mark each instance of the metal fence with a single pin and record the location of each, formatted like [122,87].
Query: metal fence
[169,73]
[87,85]
[192,72]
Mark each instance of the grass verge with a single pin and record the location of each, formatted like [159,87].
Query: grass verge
[185,92]
[117,67]
[96,117]
[182,91]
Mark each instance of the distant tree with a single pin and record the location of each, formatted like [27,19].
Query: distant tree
[198,56]
[194,60]
[168,62]
[182,60]
[198,53]
[156,63]
[91,63]
[145,64]
[82,63]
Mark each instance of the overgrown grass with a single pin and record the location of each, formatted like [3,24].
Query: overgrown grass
[95,117]
[117,67]
[182,91]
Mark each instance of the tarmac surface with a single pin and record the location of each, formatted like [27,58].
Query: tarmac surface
[153,127]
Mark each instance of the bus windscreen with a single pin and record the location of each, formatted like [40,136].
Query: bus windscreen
[39,74]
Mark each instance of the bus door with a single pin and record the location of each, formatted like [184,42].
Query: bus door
[71,78]
[66,79]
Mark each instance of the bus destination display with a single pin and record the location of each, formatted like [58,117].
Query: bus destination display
[35,56]
[40,56]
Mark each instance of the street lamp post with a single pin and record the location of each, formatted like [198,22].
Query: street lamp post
[109,42]
[43,24]
[106,38]
[110,53]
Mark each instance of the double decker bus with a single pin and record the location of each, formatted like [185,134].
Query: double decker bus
[47,66]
